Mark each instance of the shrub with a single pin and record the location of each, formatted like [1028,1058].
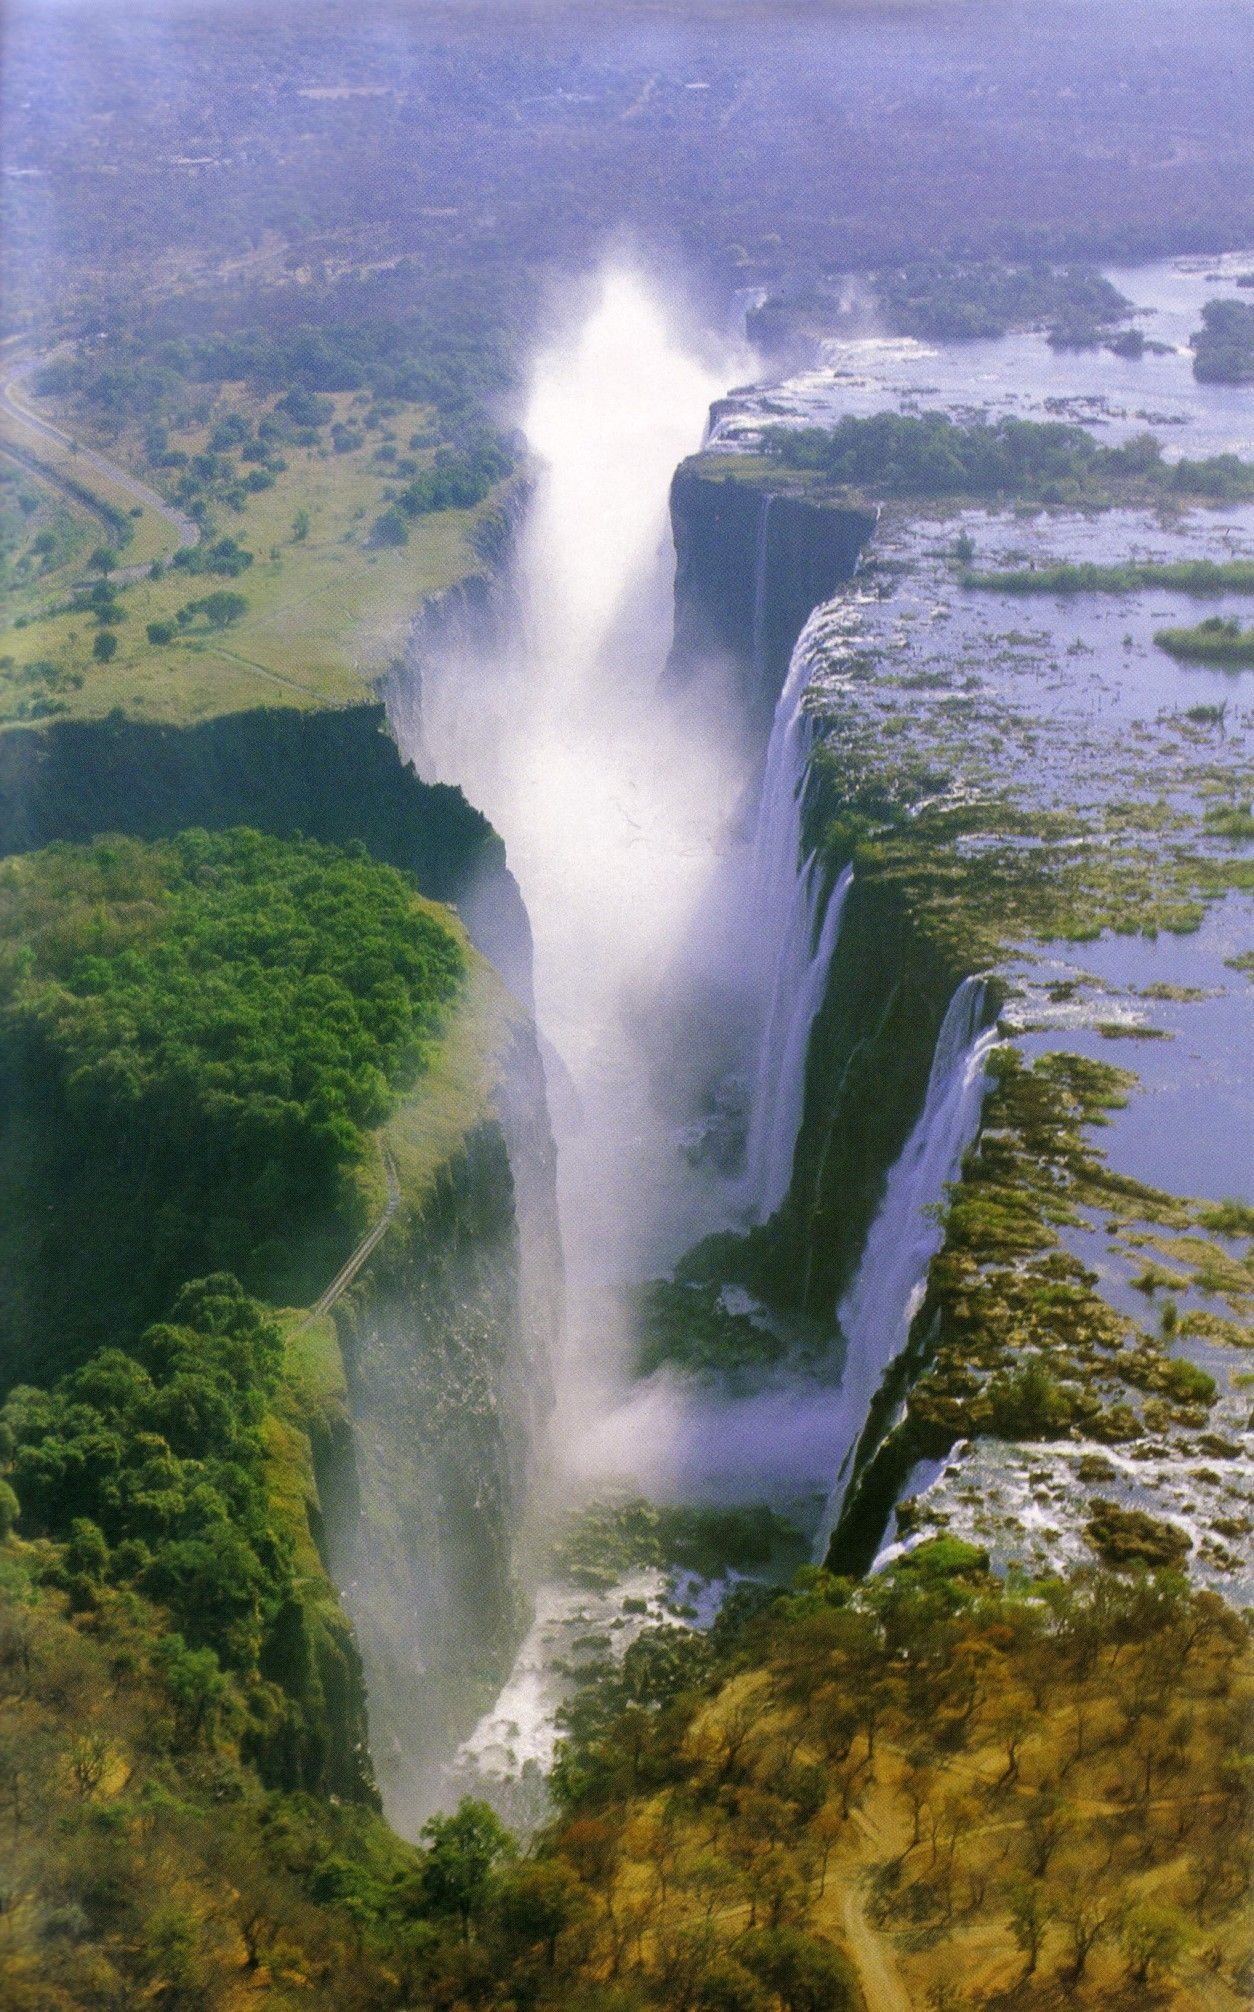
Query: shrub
[390,529]
[1128,1537]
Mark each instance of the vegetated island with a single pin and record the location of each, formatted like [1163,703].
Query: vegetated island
[955,300]
[1223,348]
[1214,641]
[1207,578]
[949,299]
[1050,462]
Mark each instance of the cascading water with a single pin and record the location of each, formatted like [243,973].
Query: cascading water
[614,802]
[887,1291]
[801,969]
[794,920]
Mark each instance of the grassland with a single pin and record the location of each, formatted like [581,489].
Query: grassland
[327,608]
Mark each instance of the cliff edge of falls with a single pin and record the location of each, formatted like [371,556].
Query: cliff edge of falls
[752,560]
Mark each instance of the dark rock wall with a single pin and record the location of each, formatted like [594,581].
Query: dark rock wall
[334,775]
[750,566]
[434,1339]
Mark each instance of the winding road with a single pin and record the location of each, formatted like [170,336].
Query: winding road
[85,457]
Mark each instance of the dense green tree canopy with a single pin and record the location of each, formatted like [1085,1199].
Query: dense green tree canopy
[1223,348]
[150,1466]
[195,1039]
[928,454]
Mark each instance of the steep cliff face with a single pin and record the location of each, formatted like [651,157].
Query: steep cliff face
[335,775]
[321,1742]
[751,562]
[869,1059]
[870,1056]
[752,565]
[401,1455]
[446,1338]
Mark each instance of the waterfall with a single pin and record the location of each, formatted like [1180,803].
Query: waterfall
[792,934]
[801,971]
[760,562]
[876,1313]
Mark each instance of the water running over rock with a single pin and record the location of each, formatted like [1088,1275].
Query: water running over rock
[887,1291]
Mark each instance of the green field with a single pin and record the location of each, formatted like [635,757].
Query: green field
[327,610]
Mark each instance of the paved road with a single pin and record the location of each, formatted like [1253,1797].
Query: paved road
[88,457]
[348,1272]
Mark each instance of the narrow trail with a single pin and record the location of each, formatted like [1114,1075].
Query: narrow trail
[881,1981]
[348,1271]
[249,664]
[87,457]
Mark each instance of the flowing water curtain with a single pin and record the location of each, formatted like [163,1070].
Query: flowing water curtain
[887,1291]
[800,983]
[794,920]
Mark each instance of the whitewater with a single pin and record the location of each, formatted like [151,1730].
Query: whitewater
[622,808]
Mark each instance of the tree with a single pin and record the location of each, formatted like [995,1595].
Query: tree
[1086,1918]
[539,1900]
[10,1510]
[807,1973]
[195,1682]
[87,1551]
[1045,1823]
[105,647]
[300,527]
[161,632]
[1030,1915]
[103,559]
[1152,1934]
[221,608]
[462,1852]
[390,529]
[726,1986]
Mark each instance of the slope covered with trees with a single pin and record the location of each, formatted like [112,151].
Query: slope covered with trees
[197,1038]
[997,1794]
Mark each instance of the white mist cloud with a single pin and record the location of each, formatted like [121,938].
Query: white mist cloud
[614,802]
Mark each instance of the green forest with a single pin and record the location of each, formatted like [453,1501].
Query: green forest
[1223,348]
[967,299]
[197,1039]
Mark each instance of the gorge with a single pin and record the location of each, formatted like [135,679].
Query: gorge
[626,991]
[799,1182]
